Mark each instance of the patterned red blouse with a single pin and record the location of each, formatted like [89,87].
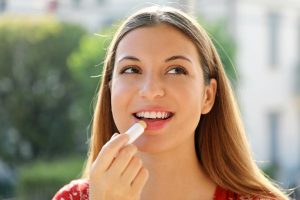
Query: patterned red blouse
[78,190]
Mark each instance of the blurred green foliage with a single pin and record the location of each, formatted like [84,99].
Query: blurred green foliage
[42,179]
[225,46]
[36,87]
[86,64]
[271,170]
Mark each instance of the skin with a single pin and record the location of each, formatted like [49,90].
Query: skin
[155,73]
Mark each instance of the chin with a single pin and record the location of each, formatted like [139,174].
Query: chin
[145,145]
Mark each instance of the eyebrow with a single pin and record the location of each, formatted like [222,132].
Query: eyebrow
[167,60]
[178,57]
[128,58]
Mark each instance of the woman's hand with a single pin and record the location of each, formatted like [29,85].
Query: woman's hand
[117,173]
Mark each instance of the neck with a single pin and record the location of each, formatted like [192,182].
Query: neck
[176,174]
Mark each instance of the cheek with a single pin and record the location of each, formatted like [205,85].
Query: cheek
[193,105]
[121,95]
[190,94]
[118,90]
[118,98]
[190,98]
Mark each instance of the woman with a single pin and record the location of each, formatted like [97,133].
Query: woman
[162,68]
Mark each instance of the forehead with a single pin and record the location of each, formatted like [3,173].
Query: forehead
[156,41]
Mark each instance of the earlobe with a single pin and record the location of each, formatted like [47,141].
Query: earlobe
[209,96]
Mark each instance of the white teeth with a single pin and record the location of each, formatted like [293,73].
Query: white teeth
[153,115]
[146,115]
[159,115]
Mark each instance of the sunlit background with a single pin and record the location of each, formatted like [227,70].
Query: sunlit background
[51,58]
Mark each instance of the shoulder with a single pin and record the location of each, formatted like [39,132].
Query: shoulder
[75,190]
[223,194]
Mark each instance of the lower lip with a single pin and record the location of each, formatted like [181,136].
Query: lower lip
[153,125]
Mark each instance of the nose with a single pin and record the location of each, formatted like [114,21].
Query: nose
[152,88]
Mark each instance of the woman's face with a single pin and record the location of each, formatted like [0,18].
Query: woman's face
[157,78]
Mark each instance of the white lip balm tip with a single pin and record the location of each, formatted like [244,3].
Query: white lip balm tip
[143,123]
[136,131]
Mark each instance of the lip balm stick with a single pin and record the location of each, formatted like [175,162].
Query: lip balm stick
[136,131]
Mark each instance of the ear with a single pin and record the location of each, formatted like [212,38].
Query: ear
[209,96]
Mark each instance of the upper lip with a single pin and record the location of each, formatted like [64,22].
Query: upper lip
[153,109]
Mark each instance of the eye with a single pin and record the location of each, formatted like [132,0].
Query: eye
[177,70]
[130,70]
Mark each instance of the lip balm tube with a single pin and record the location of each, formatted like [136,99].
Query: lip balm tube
[136,131]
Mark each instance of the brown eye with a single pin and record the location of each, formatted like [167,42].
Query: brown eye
[130,70]
[177,70]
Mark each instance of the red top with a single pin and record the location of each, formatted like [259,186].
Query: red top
[78,190]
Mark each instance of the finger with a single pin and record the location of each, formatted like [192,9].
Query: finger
[132,169]
[109,151]
[140,180]
[114,135]
[123,158]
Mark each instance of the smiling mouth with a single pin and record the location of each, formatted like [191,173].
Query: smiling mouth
[153,115]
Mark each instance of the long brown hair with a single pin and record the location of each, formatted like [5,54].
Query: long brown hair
[220,139]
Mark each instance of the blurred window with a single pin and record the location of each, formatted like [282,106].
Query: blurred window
[273,38]
[100,1]
[76,3]
[274,133]
[3,4]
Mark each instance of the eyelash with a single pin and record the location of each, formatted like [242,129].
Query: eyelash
[182,70]
[123,70]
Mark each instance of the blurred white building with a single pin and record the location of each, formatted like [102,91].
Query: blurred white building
[267,34]
[268,60]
